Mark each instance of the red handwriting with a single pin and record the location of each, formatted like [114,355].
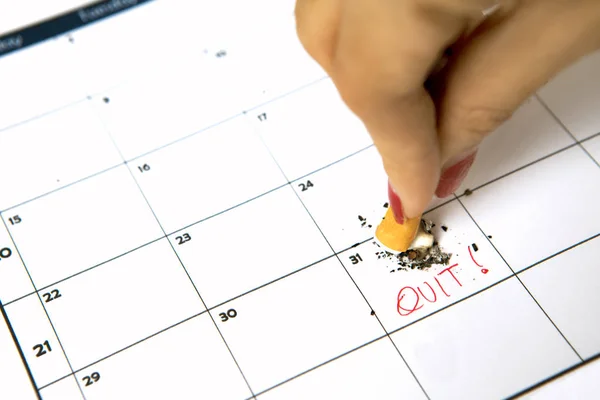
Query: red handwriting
[411,299]
[472,258]
[483,270]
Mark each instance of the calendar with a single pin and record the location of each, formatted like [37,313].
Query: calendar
[188,212]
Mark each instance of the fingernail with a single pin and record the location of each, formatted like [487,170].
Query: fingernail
[396,204]
[453,176]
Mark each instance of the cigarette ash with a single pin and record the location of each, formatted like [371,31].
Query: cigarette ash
[363,222]
[416,258]
[420,259]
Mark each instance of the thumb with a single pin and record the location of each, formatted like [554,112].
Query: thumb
[502,64]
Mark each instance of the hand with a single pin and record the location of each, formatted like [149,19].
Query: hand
[381,53]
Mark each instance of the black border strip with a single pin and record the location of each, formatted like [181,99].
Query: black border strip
[18,346]
[63,23]
[555,377]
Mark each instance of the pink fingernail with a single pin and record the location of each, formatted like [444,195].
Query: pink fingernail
[453,176]
[396,205]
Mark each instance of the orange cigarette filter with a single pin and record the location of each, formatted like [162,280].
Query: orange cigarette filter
[395,236]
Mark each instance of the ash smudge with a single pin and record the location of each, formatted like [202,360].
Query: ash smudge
[416,259]
[413,260]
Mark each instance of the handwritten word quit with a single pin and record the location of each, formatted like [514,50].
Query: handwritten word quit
[411,299]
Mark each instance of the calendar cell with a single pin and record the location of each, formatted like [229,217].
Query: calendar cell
[82,225]
[121,302]
[189,361]
[378,363]
[532,133]
[568,299]
[149,113]
[14,382]
[14,281]
[37,80]
[489,346]
[574,96]
[557,198]
[51,163]
[206,174]
[401,296]
[298,323]
[309,129]
[341,196]
[593,147]
[40,345]
[250,246]
[279,64]
[65,389]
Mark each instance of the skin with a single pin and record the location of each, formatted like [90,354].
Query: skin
[384,58]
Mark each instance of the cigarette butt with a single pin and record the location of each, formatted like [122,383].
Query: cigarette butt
[395,236]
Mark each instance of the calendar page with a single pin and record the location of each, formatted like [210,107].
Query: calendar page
[188,212]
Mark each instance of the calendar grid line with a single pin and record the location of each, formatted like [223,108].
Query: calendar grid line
[86,270]
[521,282]
[286,94]
[62,187]
[238,296]
[207,310]
[37,116]
[190,279]
[554,153]
[271,282]
[114,353]
[391,332]
[108,132]
[431,314]
[227,209]
[163,237]
[141,329]
[43,307]
[295,179]
[324,362]
[126,161]
[560,252]
[564,127]
[554,377]
[346,270]
[332,163]
[239,114]
[595,135]
[20,351]
[315,367]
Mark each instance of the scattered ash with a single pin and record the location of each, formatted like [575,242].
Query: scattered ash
[413,259]
[416,258]
[444,228]
[363,222]
[474,246]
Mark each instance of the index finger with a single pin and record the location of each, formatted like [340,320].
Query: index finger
[383,53]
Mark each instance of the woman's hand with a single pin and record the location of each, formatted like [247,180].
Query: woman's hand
[384,56]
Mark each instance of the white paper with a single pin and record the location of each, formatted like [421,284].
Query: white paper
[181,205]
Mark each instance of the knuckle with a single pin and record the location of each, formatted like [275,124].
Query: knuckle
[477,122]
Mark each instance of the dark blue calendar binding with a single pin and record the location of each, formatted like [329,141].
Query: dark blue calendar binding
[47,29]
